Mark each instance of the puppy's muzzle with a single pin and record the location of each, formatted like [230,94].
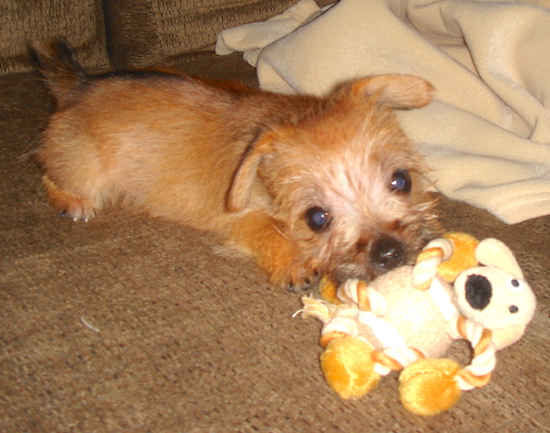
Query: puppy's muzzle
[387,253]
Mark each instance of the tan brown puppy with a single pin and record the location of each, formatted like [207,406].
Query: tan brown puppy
[304,185]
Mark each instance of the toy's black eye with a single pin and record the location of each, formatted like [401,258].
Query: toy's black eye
[317,219]
[513,309]
[515,283]
[401,181]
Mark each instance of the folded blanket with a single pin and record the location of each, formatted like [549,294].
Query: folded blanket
[486,137]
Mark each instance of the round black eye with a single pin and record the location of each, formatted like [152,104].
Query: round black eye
[513,309]
[317,219]
[515,283]
[401,181]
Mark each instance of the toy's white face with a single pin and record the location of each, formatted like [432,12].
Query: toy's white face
[494,298]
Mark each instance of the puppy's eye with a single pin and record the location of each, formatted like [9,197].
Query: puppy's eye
[401,181]
[317,219]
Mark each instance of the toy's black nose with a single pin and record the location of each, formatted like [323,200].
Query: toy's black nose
[387,253]
[478,291]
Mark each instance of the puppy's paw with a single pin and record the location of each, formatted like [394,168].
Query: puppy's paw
[277,254]
[69,205]
[78,212]
[296,277]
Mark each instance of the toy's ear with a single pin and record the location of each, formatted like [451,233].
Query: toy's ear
[396,91]
[240,191]
[494,253]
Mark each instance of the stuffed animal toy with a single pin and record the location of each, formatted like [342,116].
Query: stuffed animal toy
[407,319]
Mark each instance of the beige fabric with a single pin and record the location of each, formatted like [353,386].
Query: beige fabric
[487,135]
[252,38]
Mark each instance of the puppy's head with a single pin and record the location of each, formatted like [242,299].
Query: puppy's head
[343,181]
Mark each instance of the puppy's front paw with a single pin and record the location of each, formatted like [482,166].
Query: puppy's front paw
[278,255]
[296,277]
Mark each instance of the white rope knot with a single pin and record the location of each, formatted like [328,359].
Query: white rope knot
[476,374]
[403,357]
[425,269]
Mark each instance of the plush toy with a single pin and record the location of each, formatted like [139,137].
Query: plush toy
[407,319]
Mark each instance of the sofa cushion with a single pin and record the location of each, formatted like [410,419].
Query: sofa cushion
[142,33]
[24,21]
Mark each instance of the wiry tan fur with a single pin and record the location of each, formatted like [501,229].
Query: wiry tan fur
[243,163]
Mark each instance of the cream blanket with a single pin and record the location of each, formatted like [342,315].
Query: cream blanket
[486,137]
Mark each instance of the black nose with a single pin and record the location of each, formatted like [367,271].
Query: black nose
[387,253]
[478,291]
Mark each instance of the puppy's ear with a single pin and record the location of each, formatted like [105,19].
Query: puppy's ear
[241,188]
[396,91]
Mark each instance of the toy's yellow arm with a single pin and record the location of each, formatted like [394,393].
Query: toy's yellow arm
[447,256]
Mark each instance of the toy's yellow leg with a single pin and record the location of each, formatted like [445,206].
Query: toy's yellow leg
[348,367]
[428,386]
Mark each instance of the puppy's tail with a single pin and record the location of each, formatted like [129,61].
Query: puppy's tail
[57,64]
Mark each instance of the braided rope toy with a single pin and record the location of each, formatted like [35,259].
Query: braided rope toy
[407,319]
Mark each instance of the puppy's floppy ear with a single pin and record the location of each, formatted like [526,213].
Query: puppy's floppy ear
[241,188]
[396,91]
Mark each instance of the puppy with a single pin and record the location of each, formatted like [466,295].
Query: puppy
[304,185]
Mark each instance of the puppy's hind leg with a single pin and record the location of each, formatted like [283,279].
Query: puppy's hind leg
[70,205]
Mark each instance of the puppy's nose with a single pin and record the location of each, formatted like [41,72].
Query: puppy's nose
[387,253]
